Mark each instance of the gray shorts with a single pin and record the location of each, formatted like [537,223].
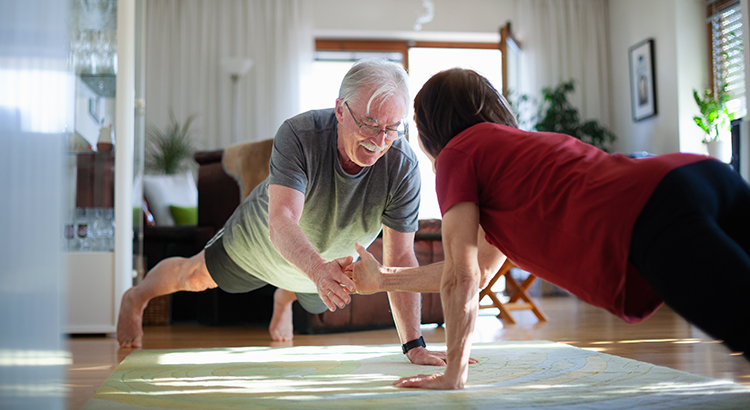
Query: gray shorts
[232,278]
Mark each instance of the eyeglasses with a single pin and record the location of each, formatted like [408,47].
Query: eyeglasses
[371,131]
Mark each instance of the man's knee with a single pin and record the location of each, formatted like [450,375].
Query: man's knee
[198,279]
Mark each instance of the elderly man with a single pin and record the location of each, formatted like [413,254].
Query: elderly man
[336,177]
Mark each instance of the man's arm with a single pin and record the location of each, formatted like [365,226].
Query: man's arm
[285,207]
[398,251]
[406,307]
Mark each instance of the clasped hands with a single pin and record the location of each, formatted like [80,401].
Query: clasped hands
[366,277]
[337,279]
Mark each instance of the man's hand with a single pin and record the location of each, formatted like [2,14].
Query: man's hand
[366,273]
[333,285]
[422,356]
[437,381]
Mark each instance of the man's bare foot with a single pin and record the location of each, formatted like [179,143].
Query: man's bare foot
[130,321]
[281,327]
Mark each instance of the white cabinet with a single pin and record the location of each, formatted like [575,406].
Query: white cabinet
[99,275]
[91,292]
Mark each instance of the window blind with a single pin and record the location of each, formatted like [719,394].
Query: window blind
[727,56]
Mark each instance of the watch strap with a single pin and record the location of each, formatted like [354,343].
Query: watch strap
[412,344]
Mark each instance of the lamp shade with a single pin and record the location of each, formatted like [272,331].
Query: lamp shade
[238,66]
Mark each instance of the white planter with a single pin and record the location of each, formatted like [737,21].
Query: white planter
[718,150]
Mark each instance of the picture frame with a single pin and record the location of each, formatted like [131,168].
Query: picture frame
[95,110]
[642,80]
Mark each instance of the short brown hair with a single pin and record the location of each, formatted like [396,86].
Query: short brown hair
[454,100]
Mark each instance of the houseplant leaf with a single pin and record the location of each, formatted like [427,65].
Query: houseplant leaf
[714,117]
[557,114]
[168,150]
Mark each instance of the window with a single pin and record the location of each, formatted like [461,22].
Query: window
[424,62]
[328,69]
[727,58]
[333,59]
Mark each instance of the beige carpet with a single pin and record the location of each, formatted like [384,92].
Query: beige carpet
[510,375]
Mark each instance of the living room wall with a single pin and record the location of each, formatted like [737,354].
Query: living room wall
[467,20]
[681,57]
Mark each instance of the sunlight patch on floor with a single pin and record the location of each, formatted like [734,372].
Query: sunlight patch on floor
[303,354]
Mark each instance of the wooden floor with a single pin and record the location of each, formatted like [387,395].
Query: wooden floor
[664,339]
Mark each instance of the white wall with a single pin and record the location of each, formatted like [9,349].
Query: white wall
[692,70]
[466,20]
[678,30]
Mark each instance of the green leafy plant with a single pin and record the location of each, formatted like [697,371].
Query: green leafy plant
[715,117]
[556,114]
[523,106]
[168,150]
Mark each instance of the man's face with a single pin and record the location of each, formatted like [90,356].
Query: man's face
[356,150]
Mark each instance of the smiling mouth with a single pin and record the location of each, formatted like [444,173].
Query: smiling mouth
[371,147]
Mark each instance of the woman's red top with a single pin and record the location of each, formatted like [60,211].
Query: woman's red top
[558,208]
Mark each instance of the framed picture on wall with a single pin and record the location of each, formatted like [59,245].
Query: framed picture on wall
[642,81]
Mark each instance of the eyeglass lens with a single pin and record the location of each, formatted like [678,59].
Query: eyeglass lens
[371,131]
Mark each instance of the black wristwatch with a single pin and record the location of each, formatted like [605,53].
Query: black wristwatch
[412,344]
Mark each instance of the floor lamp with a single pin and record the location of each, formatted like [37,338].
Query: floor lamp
[237,67]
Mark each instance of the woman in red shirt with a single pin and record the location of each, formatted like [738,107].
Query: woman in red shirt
[620,233]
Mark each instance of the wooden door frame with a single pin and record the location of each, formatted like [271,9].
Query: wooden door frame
[399,46]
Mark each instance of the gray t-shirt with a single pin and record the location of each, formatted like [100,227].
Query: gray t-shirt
[340,209]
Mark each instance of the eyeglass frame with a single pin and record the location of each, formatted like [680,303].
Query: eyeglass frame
[400,134]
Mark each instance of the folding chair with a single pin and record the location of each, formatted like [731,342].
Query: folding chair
[519,296]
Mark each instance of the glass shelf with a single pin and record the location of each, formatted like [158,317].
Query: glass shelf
[104,85]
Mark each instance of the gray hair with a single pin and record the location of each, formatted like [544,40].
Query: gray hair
[382,76]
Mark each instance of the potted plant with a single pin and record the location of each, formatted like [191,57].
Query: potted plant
[169,187]
[168,151]
[557,114]
[715,119]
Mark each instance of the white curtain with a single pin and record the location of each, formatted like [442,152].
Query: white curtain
[186,42]
[563,40]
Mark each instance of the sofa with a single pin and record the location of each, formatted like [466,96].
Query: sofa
[219,193]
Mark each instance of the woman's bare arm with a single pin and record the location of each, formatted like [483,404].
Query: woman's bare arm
[459,293]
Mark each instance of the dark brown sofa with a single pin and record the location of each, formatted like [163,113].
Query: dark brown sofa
[218,195]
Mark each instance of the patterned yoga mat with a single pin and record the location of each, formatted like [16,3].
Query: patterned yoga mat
[509,375]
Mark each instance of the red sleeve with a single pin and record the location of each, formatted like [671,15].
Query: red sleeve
[456,179]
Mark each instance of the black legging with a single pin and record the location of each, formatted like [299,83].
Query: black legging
[692,245]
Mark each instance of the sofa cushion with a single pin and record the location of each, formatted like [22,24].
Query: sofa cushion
[161,191]
[184,215]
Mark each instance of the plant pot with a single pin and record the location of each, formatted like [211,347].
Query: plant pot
[717,149]
[106,141]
